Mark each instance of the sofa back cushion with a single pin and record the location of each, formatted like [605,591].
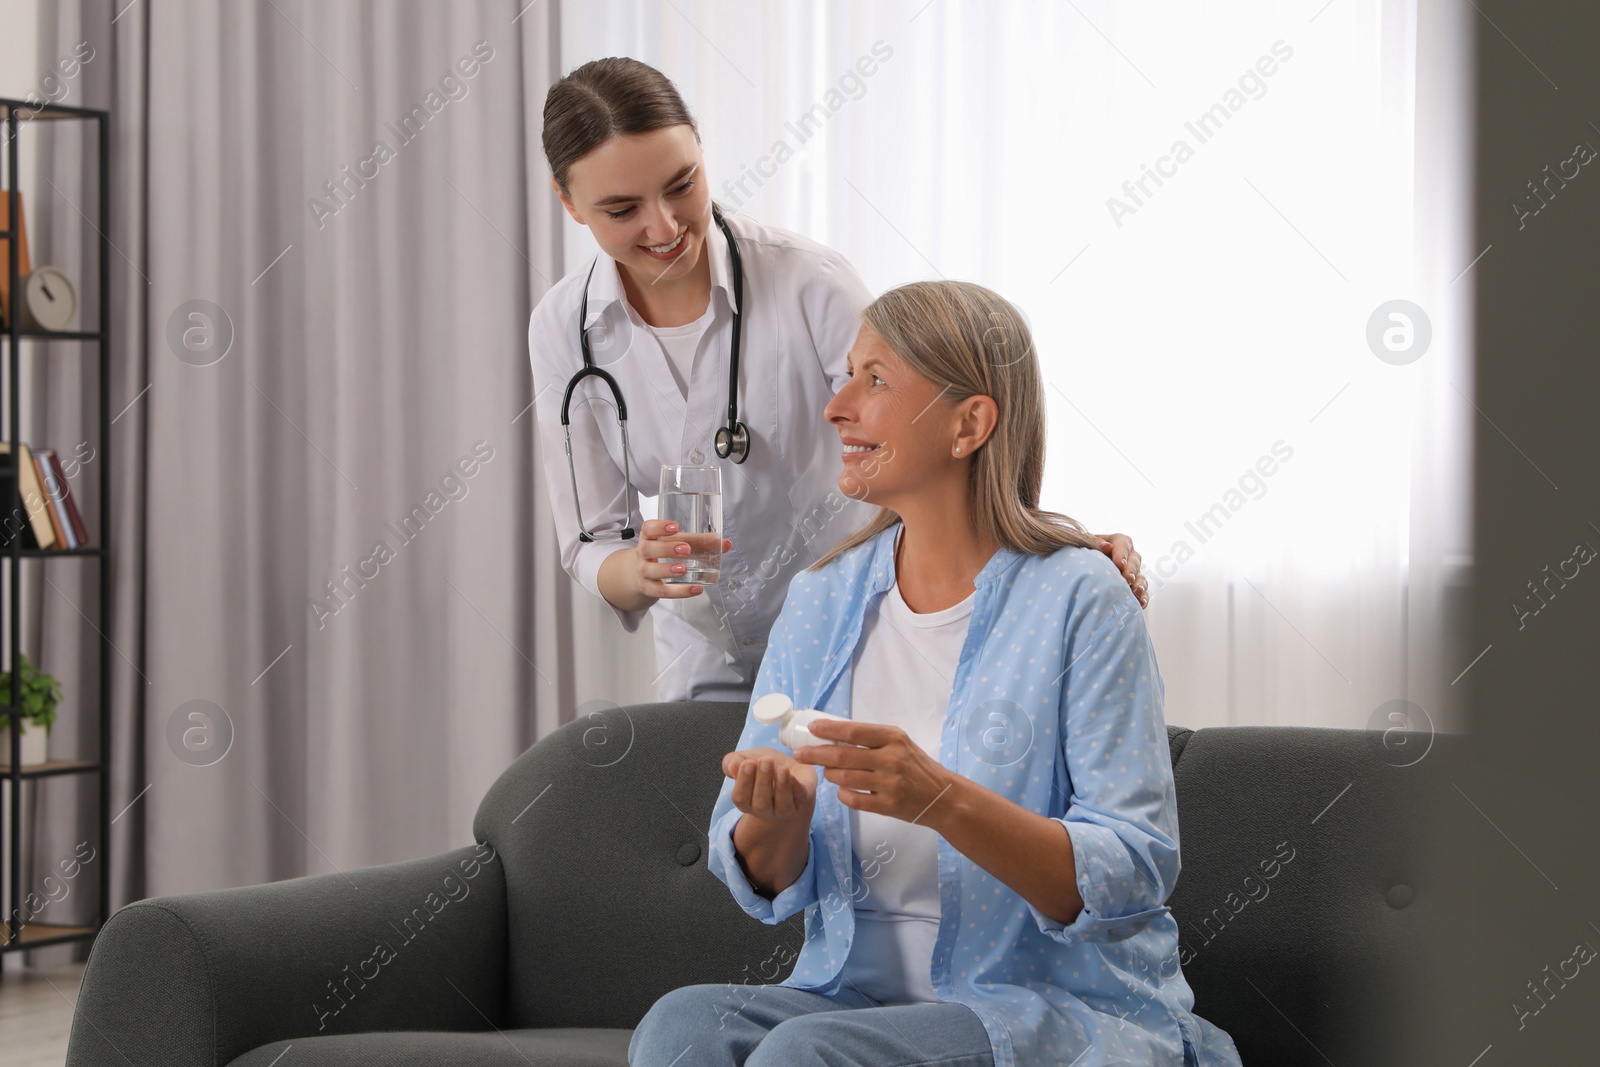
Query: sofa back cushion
[1304,902]
[1300,903]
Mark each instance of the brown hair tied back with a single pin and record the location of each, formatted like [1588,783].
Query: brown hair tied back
[602,99]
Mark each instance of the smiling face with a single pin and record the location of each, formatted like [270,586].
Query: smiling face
[646,199]
[896,431]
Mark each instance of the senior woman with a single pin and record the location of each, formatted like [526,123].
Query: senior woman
[985,852]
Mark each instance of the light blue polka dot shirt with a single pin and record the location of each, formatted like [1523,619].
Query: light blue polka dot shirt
[1057,706]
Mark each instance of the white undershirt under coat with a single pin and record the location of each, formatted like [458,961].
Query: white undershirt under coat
[902,675]
[679,343]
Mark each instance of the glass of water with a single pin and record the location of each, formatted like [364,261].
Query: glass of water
[692,498]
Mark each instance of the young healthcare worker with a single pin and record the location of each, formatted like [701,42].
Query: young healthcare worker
[722,340]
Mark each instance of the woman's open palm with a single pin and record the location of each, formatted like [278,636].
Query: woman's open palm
[769,784]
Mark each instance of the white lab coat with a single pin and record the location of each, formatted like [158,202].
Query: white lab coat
[781,508]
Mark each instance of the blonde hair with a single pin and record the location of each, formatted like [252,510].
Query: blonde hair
[973,342]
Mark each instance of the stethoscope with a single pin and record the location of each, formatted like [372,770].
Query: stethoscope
[732,440]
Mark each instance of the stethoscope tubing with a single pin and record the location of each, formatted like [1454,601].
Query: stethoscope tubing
[732,441]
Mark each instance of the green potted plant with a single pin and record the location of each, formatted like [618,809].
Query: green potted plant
[38,696]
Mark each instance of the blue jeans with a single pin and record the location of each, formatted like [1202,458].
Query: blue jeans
[775,1026]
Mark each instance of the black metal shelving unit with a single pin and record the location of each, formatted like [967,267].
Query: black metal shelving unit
[20,936]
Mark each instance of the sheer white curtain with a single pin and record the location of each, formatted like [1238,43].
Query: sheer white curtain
[1200,211]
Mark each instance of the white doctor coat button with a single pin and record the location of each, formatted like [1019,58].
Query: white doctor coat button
[697,457]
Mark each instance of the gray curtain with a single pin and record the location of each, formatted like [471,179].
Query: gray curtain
[373,306]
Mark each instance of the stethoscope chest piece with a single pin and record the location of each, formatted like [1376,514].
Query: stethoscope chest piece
[733,442]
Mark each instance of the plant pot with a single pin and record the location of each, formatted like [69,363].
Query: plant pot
[35,741]
[35,744]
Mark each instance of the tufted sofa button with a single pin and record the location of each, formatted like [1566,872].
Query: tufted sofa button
[688,854]
[1400,896]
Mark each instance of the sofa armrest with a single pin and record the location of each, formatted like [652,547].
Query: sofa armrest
[197,980]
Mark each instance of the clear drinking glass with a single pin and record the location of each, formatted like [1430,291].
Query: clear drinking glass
[692,498]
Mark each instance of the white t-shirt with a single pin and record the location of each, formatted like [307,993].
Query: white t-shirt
[902,676]
[679,343]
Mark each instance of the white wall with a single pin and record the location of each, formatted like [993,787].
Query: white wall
[19,47]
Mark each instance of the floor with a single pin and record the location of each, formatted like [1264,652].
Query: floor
[36,1013]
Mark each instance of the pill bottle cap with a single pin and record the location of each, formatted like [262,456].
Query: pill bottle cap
[772,708]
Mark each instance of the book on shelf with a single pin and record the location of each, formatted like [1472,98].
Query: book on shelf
[23,266]
[72,517]
[58,507]
[49,516]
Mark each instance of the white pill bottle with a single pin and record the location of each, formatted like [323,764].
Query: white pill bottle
[792,722]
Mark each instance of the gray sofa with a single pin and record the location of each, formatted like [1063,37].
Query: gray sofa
[588,897]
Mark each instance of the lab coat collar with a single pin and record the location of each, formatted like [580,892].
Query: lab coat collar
[605,288]
[721,261]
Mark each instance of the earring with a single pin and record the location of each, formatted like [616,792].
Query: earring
[958,450]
